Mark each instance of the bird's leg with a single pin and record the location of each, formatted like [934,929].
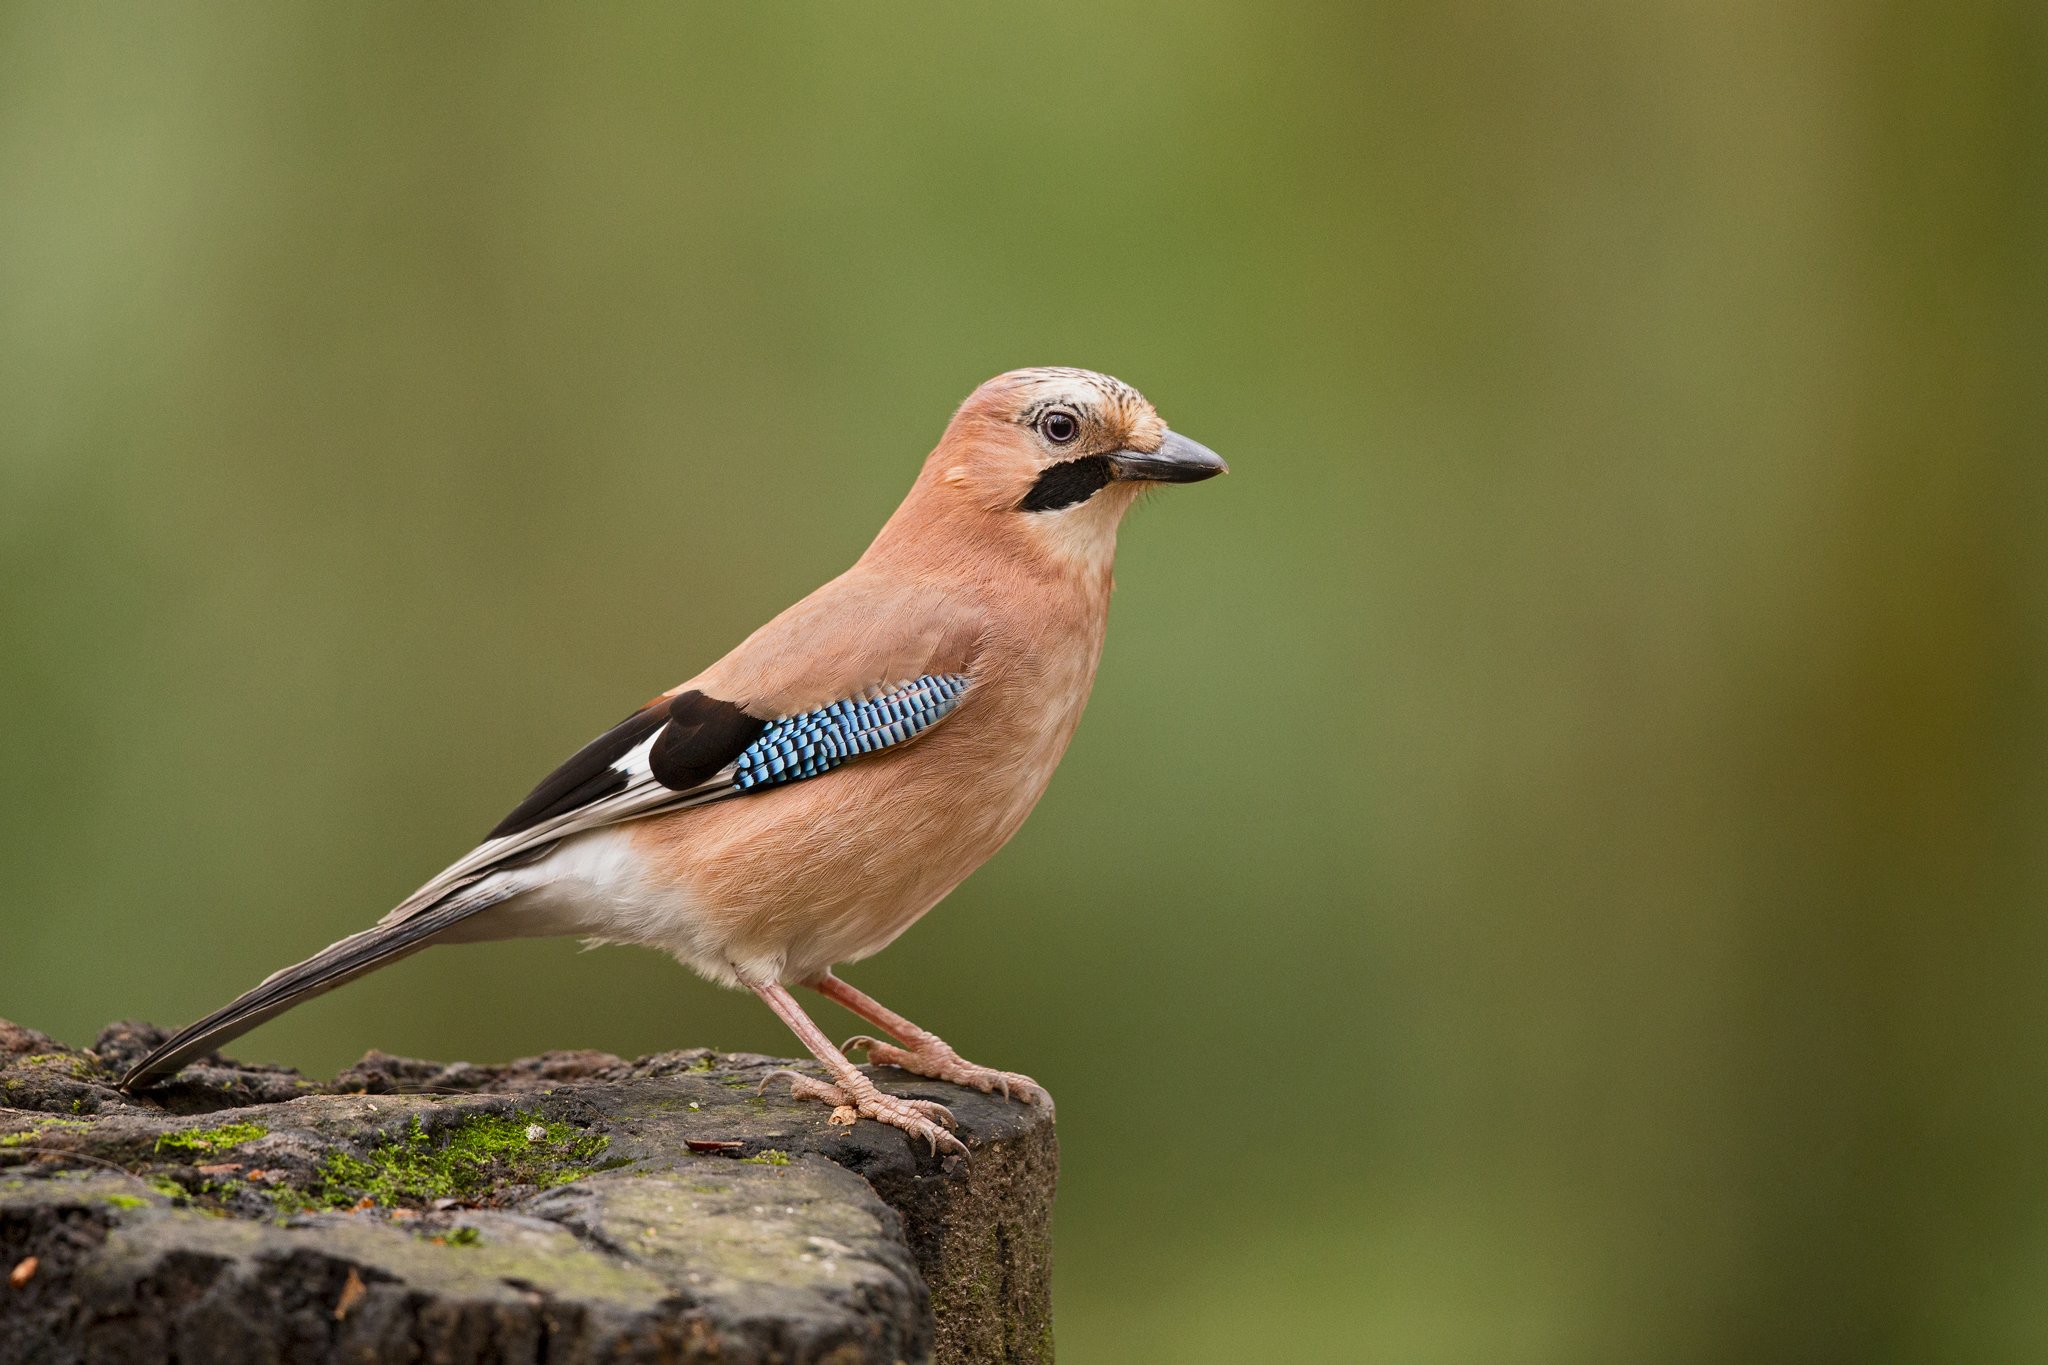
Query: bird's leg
[923,1052]
[850,1093]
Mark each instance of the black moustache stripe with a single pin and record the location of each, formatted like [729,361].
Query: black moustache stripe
[1068,482]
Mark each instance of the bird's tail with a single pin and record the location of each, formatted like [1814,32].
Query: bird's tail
[326,969]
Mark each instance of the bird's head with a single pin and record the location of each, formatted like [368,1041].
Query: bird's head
[1059,455]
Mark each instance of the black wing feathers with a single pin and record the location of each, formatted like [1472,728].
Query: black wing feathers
[586,777]
[701,735]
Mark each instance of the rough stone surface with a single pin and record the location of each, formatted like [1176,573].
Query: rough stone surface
[565,1208]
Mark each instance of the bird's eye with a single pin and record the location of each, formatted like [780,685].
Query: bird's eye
[1059,427]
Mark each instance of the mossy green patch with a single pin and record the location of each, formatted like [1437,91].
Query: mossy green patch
[124,1201]
[203,1141]
[772,1157]
[469,1161]
[459,1237]
[78,1068]
[43,1126]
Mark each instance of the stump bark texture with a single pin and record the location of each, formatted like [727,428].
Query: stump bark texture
[569,1207]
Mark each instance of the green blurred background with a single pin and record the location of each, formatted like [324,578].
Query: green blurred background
[1553,868]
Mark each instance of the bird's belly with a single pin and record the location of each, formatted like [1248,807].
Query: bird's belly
[829,871]
[600,886]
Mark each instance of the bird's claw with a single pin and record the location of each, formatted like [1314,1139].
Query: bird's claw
[919,1118]
[944,1064]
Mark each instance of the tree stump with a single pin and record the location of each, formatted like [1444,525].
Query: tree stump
[569,1207]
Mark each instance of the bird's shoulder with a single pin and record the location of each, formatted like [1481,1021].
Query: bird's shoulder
[859,632]
[858,639]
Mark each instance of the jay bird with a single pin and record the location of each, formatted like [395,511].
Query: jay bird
[808,797]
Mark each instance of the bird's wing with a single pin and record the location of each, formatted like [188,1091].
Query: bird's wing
[856,667]
[862,630]
[797,715]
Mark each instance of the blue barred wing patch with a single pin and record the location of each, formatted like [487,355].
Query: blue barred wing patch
[815,742]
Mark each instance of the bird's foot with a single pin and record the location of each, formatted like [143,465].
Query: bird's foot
[938,1061]
[857,1098]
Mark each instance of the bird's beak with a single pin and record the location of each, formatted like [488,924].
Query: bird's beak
[1178,460]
